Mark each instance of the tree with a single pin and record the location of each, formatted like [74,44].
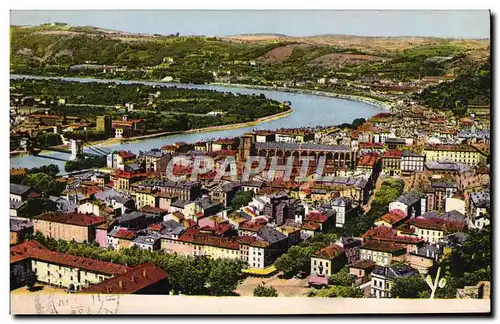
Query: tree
[263,291]
[224,277]
[44,183]
[296,260]
[357,223]
[341,278]
[242,198]
[475,254]
[31,279]
[467,279]
[86,163]
[37,206]
[337,292]
[189,275]
[409,287]
[50,169]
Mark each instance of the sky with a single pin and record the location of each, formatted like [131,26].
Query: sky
[432,23]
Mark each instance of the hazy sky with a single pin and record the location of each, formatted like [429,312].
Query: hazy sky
[460,24]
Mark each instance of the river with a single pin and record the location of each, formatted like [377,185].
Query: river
[309,111]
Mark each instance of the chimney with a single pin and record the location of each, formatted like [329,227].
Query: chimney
[120,283]
[427,253]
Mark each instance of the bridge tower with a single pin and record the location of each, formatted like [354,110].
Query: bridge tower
[76,149]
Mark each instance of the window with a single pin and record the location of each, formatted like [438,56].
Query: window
[48,273]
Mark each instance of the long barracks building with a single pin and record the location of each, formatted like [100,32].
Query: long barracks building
[337,155]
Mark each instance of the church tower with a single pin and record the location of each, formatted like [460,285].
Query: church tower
[246,147]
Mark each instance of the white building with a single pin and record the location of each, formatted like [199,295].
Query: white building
[341,206]
[455,203]
[412,162]
[383,279]
[88,208]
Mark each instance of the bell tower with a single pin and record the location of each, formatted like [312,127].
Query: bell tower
[246,147]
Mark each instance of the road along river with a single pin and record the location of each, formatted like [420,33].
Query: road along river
[308,111]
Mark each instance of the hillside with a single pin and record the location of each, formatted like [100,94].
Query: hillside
[473,88]
[65,50]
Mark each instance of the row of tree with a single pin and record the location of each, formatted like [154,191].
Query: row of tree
[199,275]
[85,163]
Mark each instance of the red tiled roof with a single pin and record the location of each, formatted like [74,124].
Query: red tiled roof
[329,252]
[22,251]
[153,210]
[387,234]
[363,264]
[224,141]
[451,147]
[316,216]
[393,154]
[126,154]
[252,226]
[194,236]
[392,217]
[168,147]
[155,227]
[188,223]
[134,280]
[122,123]
[383,246]
[91,190]
[406,229]
[179,215]
[371,145]
[218,229]
[71,218]
[368,160]
[124,174]
[124,233]
[312,226]
[436,223]
[34,250]
[222,228]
